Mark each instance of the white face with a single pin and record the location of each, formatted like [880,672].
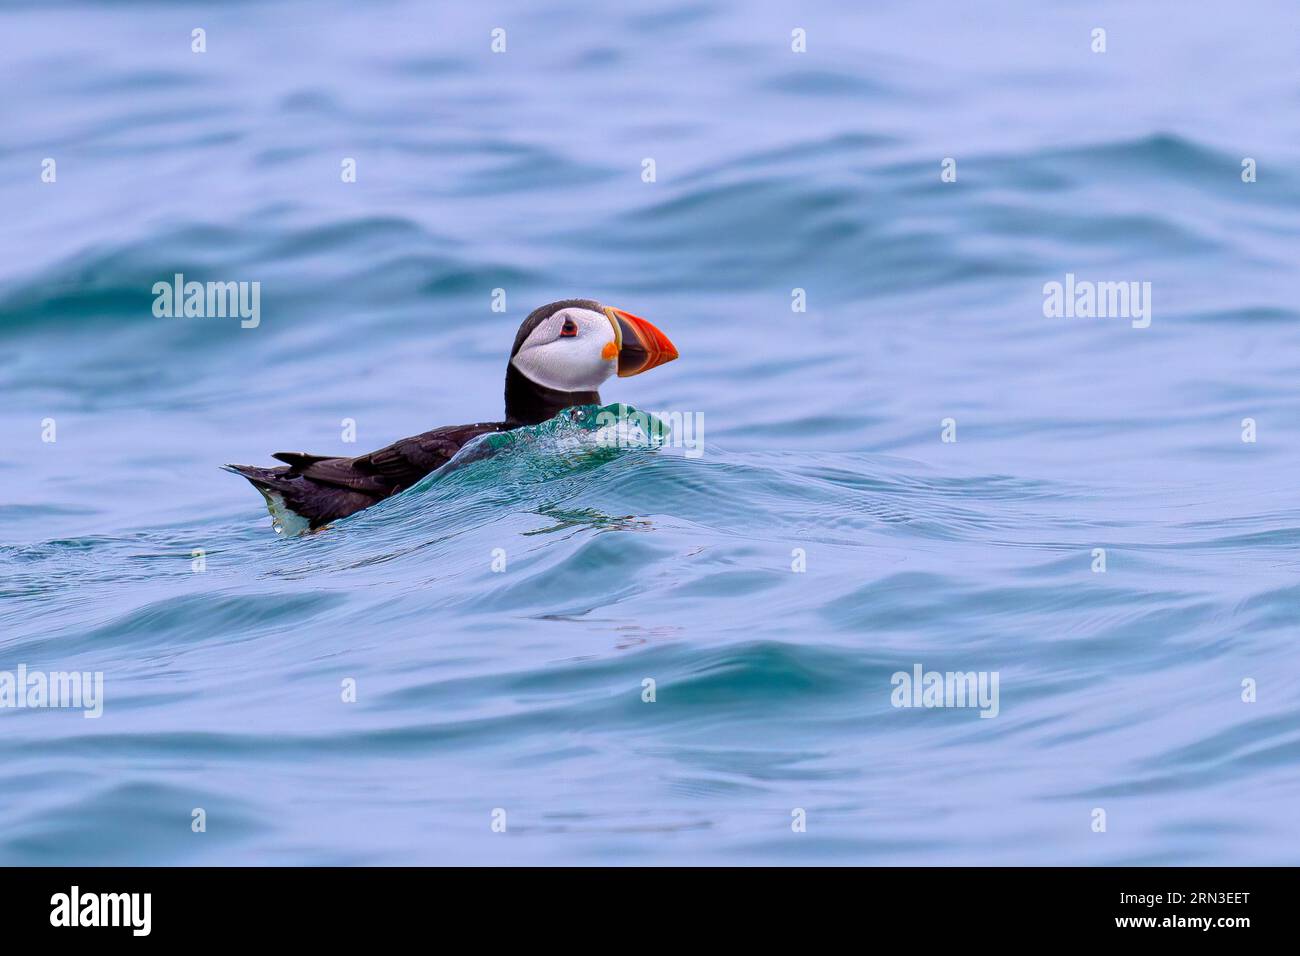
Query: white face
[572,351]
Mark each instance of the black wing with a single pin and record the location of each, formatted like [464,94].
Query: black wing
[389,470]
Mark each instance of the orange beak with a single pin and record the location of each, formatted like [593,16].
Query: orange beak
[640,345]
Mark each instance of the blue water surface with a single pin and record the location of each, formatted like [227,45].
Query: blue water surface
[521,690]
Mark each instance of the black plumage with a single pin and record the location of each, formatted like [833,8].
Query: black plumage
[322,489]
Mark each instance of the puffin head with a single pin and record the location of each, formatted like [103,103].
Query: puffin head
[565,350]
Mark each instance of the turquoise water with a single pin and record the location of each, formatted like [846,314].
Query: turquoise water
[522,689]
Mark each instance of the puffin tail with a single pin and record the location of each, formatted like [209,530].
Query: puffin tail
[261,478]
[270,482]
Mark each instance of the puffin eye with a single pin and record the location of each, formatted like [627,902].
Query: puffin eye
[569,329]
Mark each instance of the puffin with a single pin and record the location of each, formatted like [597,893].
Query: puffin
[562,354]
